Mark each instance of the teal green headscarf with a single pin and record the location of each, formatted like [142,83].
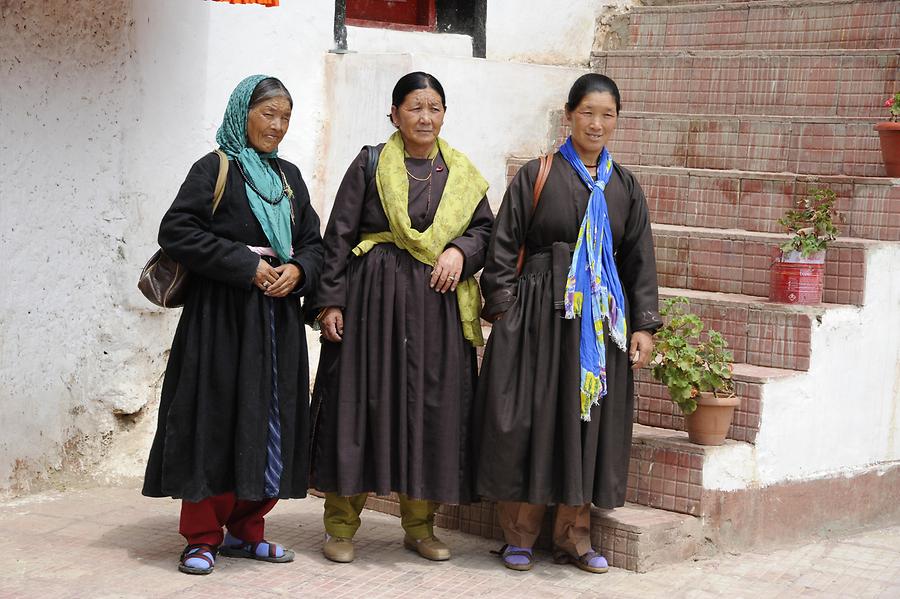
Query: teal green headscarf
[232,138]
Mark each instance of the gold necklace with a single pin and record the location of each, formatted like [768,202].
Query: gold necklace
[431,172]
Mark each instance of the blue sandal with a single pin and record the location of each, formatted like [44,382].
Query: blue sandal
[263,550]
[198,559]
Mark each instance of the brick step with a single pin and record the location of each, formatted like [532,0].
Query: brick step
[804,145]
[738,261]
[758,332]
[653,407]
[632,537]
[666,470]
[850,83]
[778,25]
[754,201]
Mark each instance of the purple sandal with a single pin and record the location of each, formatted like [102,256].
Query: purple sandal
[520,559]
[591,561]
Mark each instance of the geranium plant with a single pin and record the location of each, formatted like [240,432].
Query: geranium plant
[811,223]
[893,105]
[687,363]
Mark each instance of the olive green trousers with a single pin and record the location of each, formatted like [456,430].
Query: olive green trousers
[342,515]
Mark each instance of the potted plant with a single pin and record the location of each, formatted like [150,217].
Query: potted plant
[798,272]
[696,369]
[889,133]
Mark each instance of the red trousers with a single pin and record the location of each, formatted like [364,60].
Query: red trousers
[202,522]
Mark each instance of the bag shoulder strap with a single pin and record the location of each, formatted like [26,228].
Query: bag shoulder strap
[220,180]
[543,172]
[372,163]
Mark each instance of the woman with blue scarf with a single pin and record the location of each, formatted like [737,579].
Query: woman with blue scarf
[232,436]
[556,389]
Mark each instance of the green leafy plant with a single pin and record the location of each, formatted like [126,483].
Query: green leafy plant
[811,222]
[685,362]
[893,105]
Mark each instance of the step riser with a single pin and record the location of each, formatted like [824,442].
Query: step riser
[851,85]
[850,25]
[754,203]
[666,478]
[741,266]
[850,149]
[762,335]
[654,408]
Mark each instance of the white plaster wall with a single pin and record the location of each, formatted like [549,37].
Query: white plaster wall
[843,415]
[560,34]
[103,108]
[64,99]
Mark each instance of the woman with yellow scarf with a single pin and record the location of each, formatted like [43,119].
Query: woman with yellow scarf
[398,308]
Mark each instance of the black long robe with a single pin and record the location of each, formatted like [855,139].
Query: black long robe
[532,443]
[392,403]
[213,415]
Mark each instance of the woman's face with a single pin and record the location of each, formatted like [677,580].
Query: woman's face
[593,122]
[267,122]
[419,118]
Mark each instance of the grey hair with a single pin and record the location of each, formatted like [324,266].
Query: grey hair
[268,89]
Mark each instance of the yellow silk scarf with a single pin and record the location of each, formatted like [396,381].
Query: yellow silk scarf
[464,190]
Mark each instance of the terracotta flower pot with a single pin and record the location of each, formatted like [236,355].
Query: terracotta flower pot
[889,132]
[709,423]
[797,280]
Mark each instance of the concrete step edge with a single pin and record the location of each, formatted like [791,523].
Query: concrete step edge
[744,373]
[673,439]
[774,238]
[740,5]
[803,177]
[760,118]
[762,53]
[752,301]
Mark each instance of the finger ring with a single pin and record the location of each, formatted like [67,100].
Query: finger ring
[452,278]
[266,284]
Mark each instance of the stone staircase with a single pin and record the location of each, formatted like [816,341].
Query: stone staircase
[731,110]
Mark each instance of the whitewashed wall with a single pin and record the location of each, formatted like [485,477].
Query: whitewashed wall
[559,33]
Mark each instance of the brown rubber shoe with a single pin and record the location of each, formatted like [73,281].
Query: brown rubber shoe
[339,549]
[431,548]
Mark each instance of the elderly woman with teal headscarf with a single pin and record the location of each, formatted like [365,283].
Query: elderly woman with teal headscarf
[399,316]
[232,436]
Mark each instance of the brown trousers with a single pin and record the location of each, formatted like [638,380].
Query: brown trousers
[521,524]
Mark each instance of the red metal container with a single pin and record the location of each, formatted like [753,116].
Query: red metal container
[796,280]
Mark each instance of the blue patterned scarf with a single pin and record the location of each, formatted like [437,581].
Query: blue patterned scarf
[275,219]
[593,275]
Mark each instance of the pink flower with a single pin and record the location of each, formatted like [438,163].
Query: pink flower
[889,102]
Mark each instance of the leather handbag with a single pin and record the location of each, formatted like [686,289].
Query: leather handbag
[164,281]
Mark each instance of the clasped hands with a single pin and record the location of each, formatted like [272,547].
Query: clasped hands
[277,281]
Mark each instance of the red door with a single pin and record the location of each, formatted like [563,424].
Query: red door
[392,14]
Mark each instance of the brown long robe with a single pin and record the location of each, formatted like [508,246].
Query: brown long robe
[392,404]
[532,443]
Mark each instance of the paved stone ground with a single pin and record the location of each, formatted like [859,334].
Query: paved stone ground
[111,542]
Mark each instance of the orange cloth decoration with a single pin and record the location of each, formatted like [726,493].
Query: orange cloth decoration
[263,2]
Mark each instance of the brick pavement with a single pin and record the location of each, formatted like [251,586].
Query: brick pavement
[111,542]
